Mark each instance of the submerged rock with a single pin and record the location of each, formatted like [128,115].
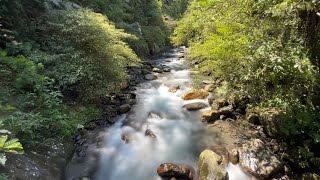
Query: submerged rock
[150,134]
[166,69]
[257,159]
[174,88]
[211,166]
[195,106]
[195,94]
[125,137]
[169,170]
[150,77]
[155,115]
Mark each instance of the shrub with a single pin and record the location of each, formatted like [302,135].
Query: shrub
[85,51]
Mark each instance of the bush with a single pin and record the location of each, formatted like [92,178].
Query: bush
[85,52]
[133,16]
[31,107]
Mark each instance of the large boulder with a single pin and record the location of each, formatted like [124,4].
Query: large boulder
[211,166]
[195,94]
[257,159]
[195,106]
[210,116]
[169,170]
[270,119]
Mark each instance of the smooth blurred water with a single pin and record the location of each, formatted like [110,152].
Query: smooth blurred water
[180,134]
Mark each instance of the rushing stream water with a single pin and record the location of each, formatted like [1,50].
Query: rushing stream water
[180,135]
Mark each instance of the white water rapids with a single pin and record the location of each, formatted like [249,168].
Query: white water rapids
[180,135]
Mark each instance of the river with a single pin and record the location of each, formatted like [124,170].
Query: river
[128,154]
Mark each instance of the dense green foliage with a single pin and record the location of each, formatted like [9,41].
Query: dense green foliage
[30,104]
[142,18]
[59,60]
[266,50]
[176,8]
[84,49]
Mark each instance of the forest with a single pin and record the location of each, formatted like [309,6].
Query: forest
[267,53]
[60,60]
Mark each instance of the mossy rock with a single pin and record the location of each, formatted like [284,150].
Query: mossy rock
[270,118]
[211,166]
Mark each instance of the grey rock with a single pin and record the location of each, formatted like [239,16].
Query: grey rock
[124,108]
[257,159]
[150,77]
[195,106]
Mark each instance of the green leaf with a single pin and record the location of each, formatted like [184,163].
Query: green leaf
[3,141]
[13,146]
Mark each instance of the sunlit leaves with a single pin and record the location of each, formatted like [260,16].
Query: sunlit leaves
[11,146]
[90,52]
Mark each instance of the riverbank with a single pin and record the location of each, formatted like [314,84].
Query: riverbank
[247,135]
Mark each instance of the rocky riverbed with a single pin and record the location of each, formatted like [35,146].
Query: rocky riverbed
[234,140]
[232,147]
[162,125]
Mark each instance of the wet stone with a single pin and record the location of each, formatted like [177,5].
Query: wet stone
[150,134]
[170,170]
